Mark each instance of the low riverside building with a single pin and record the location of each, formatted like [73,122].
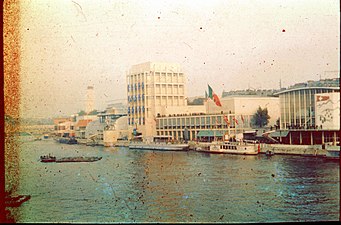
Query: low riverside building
[201,126]
[81,125]
[209,121]
[310,113]
[64,127]
[80,128]
[113,125]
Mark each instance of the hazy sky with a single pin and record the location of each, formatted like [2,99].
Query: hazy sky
[230,44]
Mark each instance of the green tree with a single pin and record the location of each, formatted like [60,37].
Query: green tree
[93,112]
[260,118]
[197,101]
[81,113]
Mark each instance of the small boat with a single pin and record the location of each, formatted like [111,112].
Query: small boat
[49,158]
[240,148]
[70,141]
[161,143]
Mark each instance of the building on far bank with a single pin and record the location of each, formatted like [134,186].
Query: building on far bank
[310,113]
[157,105]
[111,126]
[212,121]
[90,99]
[64,127]
[154,88]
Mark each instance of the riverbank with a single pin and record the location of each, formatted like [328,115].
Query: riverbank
[280,149]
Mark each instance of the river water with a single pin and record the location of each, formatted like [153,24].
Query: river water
[154,186]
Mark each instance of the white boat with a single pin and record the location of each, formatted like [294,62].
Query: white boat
[240,148]
[162,143]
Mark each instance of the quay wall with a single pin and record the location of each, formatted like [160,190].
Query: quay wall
[309,150]
[280,149]
[121,143]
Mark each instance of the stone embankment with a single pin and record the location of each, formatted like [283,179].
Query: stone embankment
[307,150]
[280,149]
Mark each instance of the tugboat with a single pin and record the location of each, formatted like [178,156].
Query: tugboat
[47,158]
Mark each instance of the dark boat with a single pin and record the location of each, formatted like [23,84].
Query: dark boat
[70,141]
[79,159]
[49,158]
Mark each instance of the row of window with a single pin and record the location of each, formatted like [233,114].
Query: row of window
[136,109]
[193,126]
[135,86]
[135,98]
[133,121]
[298,107]
[206,120]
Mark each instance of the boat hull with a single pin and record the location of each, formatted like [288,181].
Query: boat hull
[233,148]
[159,146]
[70,159]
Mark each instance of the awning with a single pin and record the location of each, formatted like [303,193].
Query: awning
[283,133]
[210,133]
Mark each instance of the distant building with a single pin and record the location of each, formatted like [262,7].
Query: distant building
[310,112]
[250,92]
[111,126]
[232,118]
[80,128]
[90,99]
[154,88]
[297,103]
[157,105]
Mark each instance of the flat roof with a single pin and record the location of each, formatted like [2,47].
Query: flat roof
[306,88]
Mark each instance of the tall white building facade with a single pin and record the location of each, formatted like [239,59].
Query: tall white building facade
[154,88]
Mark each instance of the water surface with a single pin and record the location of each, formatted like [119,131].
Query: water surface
[155,186]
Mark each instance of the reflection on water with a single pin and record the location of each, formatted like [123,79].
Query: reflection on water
[153,186]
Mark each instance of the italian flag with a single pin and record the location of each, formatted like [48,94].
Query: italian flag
[213,96]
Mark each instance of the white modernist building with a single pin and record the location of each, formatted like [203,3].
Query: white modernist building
[154,88]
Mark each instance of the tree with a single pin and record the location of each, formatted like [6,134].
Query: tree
[260,118]
[81,113]
[93,112]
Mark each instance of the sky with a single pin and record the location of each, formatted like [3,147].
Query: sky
[67,45]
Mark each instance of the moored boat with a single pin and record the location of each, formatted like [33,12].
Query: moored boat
[161,143]
[240,148]
[67,140]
